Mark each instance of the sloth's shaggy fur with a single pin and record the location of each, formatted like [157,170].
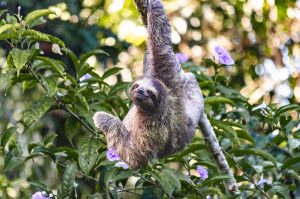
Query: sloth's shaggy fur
[168,103]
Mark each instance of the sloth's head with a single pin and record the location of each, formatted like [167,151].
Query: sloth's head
[148,94]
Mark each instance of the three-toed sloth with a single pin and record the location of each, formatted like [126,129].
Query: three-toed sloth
[168,103]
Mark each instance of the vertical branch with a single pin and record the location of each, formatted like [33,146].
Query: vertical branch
[216,151]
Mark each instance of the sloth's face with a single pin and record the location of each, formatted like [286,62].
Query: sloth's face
[147,94]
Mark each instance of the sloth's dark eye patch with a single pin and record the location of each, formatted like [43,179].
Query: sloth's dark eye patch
[135,86]
[150,93]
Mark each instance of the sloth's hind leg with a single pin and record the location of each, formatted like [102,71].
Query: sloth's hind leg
[193,101]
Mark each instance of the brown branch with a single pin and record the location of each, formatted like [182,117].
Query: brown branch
[216,151]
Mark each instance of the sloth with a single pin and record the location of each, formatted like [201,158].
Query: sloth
[167,103]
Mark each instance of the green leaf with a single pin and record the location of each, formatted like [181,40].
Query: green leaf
[51,83]
[83,102]
[85,56]
[71,153]
[282,190]
[5,80]
[193,147]
[37,109]
[84,69]
[7,135]
[9,61]
[217,100]
[117,87]
[20,58]
[167,180]
[88,153]
[111,72]
[73,57]
[95,196]
[215,180]
[180,176]
[286,108]
[72,126]
[39,185]
[109,175]
[245,135]
[293,143]
[11,161]
[68,180]
[2,12]
[7,36]
[55,40]
[39,36]
[7,27]
[212,190]
[37,22]
[28,84]
[36,150]
[227,129]
[291,161]
[152,192]
[37,14]
[56,65]
[258,152]
[242,131]
[49,140]
[122,175]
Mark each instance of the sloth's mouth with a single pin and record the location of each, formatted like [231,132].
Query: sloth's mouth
[139,96]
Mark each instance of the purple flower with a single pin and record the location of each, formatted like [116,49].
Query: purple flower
[122,164]
[39,195]
[181,58]
[202,172]
[224,56]
[112,155]
[85,77]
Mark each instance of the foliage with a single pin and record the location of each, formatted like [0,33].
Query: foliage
[56,145]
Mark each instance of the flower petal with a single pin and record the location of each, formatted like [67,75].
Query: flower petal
[203,173]
[122,164]
[181,58]
[224,56]
[112,154]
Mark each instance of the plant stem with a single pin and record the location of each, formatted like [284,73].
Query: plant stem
[62,103]
[247,176]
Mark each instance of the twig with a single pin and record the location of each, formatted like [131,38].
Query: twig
[247,176]
[216,151]
[124,190]
[62,103]
[145,179]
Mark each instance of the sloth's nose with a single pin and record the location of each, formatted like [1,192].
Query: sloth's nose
[140,91]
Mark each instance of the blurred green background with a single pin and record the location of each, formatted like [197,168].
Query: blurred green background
[263,36]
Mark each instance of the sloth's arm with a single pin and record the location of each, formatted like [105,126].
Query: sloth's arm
[163,61]
[159,58]
[142,8]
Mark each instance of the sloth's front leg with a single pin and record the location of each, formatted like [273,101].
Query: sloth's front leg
[105,121]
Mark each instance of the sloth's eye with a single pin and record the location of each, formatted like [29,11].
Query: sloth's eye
[135,86]
[150,93]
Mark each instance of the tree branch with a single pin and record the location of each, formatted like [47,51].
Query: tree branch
[216,151]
